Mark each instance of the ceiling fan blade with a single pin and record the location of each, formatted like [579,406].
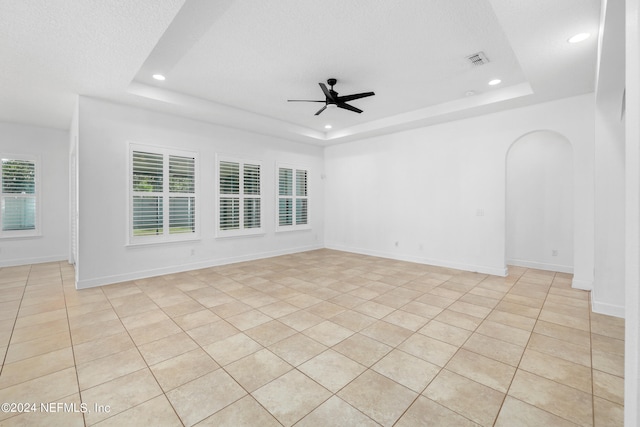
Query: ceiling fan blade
[349,107]
[303,100]
[320,111]
[326,91]
[348,98]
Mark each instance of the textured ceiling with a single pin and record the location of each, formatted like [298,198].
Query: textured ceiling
[236,62]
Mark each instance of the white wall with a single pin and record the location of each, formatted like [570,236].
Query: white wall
[632,217]
[439,192]
[608,289]
[540,202]
[50,146]
[106,129]
[73,187]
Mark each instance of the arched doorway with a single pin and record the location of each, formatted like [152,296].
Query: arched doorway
[539,202]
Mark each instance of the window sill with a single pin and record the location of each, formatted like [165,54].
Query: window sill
[239,233]
[20,236]
[286,229]
[154,242]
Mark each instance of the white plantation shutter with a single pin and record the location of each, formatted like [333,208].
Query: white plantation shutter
[229,213]
[252,196]
[293,198]
[18,199]
[148,194]
[285,214]
[301,211]
[230,195]
[163,195]
[285,193]
[229,178]
[251,180]
[239,197]
[182,201]
[301,183]
[301,197]
[285,182]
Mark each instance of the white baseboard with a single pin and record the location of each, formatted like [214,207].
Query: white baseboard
[494,271]
[108,280]
[585,285]
[608,309]
[34,260]
[541,266]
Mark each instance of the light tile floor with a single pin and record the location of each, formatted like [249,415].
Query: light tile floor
[321,338]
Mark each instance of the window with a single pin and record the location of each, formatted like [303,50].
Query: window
[19,197]
[239,197]
[293,198]
[163,195]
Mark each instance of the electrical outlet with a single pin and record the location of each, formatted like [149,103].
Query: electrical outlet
[397,243]
[554,252]
[193,252]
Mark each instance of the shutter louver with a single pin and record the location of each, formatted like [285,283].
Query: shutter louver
[182,177]
[251,179]
[182,208]
[285,209]
[147,215]
[285,204]
[229,178]
[251,213]
[301,211]
[229,213]
[147,172]
[18,205]
[251,193]
[182,215]
[285,182]
[301,183]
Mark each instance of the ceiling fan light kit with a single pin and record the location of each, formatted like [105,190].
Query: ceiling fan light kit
[332,100]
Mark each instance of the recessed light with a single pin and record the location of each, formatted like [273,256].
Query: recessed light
[469,93]
[159,77]
[495,82]
[328,126]
[579,38]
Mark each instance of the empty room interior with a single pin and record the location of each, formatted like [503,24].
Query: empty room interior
[320,213]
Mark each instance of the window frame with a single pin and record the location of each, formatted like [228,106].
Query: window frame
[294,197]
[37,230]
[241,196]
[166,194]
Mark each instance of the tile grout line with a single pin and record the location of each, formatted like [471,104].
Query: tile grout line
[518,367]
[525,348]
[73,353]
[15,320]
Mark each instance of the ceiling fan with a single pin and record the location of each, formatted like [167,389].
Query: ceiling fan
[332,99]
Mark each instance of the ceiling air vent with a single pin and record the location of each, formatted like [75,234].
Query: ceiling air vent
[478,59]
